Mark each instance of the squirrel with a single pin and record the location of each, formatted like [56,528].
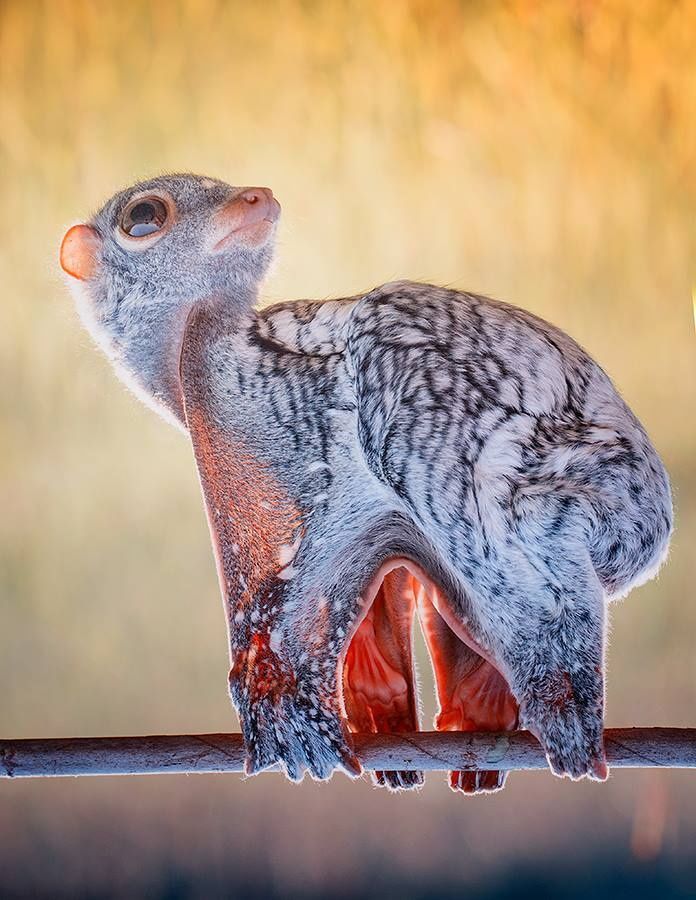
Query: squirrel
[411,451]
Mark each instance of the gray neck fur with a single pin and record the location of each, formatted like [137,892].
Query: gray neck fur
[143,337]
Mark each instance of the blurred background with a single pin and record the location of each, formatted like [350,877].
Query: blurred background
[542,153]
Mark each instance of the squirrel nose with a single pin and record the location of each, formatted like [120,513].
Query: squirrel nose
[259,197]
[254,195]
[250,207]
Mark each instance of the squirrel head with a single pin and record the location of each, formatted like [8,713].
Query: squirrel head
[173,238]
[153,250]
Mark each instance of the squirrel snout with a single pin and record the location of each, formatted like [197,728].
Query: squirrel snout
[247,218]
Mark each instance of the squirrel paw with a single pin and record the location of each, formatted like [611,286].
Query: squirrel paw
[285,722]
[568,722]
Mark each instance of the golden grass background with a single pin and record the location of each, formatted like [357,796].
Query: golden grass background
[543,153]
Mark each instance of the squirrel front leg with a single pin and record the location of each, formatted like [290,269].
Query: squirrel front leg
[283,680]
[288,698]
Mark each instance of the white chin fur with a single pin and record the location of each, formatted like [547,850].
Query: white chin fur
[99,334]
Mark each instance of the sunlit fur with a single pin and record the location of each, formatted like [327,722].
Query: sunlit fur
[441,427]
[134,305]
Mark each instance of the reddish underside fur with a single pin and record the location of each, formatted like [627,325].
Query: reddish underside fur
[379,681]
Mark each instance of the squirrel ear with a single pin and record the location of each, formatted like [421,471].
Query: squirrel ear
[78,252]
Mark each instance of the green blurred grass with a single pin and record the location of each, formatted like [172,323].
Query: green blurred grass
[541,153]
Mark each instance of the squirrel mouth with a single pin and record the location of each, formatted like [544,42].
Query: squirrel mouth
[249,234]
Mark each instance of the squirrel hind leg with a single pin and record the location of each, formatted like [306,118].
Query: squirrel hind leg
[379,683]
[480,702]
[472,694]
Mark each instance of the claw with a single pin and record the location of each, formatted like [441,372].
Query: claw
[399,781]
[351,763]
[483,782]
[600,770]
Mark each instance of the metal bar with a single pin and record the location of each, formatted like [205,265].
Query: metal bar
[428,750]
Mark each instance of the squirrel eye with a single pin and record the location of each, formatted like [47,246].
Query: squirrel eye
[143,216]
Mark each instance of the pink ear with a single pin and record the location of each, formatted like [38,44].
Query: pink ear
[78,252]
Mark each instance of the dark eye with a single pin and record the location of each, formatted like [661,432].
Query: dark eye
[143,216]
